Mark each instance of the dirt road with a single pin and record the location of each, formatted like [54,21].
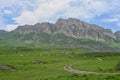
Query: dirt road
[69,68]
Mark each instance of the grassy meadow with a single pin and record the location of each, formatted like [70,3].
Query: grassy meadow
[22,58]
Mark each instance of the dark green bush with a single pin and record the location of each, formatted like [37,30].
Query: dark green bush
[101,54]
[117,67]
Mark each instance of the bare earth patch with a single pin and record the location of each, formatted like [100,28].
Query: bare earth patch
[69,68]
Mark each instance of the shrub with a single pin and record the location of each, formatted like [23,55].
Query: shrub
[117,67]
[99,69]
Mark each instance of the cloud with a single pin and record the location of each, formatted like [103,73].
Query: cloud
[11,27]
[114,18]
[57,8]
[87,9]
[34,11]
[7,11]
[45,11]
[109,20]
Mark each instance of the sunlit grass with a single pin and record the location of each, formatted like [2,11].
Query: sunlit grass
[56,59]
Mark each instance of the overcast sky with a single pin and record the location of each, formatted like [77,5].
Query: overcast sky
[105,13]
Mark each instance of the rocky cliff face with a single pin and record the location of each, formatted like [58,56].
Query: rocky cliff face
[71,27]
[117,34]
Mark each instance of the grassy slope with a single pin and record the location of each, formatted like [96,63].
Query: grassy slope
[56,58]
[61,40]
[99,61]
[58,40]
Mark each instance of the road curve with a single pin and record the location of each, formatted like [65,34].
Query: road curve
[69,68]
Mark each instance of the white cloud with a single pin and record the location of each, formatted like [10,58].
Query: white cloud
[44,11]
[11,27]
[87,9]
[56,8]
[114,18]
[109,20]
[33,11]
[6,11]
[4,3]
[26,18]
[48,9]
[118,24]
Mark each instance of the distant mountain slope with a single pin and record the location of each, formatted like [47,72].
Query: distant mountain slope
[3,33]
[70,27]
[117,34]
[64,33]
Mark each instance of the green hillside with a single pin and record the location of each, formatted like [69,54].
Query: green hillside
[58,40]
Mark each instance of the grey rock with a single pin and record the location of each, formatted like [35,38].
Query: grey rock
[37,28]
[28,41]
[117,34]
[7,67]
[38,62]
[71,27]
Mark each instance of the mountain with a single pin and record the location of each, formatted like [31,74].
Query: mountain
[66,33]
[117,34]
[2,33]
[71,27]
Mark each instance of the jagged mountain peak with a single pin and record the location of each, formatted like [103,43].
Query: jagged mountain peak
[71,27]
[70,32]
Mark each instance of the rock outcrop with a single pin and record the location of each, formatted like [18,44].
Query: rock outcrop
[71,27]
[117,34]
[7,67]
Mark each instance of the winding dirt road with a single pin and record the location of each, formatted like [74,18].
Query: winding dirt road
[69,68]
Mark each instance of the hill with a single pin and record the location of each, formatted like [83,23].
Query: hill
[64,33]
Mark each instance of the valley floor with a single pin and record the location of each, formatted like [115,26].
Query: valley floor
[49,64]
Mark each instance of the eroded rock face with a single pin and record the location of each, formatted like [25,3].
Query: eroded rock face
[37,28]
[78,29]
[71,27]
[117,34]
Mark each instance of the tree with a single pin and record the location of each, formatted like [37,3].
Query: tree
[118,66]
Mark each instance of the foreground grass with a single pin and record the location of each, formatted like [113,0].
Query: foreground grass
[96,65]
[56,59]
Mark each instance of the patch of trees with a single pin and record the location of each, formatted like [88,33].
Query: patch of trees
[101,54]
[23,49]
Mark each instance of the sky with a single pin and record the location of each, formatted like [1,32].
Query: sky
[105,13]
